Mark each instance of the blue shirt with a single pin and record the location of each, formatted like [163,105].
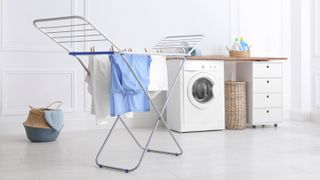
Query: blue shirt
[126,95]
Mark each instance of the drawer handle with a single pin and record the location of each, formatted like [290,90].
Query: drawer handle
[268,81]
[268,96]
[268,111]
[267,66]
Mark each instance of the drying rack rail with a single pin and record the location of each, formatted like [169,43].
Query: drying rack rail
[75,32]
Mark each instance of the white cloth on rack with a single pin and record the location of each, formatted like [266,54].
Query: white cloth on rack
[158,75]
[99,88]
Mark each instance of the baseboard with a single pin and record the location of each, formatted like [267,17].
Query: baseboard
[286,115]
[77,122]
[315,116]
[300,116]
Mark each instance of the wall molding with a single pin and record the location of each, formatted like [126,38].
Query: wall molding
[315,117]
[5,46]
[297,115]
[78,122]
[316,28]
[317,89]
[7,111]
[1,26]
[234,9]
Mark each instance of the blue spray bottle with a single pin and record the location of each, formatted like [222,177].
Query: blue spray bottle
[244,45]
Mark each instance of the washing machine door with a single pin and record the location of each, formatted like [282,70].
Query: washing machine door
[201,90]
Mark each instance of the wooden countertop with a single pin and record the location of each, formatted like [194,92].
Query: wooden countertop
[227,58]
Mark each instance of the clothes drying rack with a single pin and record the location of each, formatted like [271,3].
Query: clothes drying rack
[70,31]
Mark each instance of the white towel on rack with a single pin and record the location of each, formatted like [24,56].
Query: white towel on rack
[158,75]
[99,88]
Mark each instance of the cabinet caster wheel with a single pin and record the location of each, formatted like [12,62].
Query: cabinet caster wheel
[254,126]
[263,126]
[275,125]
[100,166]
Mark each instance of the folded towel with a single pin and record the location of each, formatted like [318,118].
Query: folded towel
[54,118]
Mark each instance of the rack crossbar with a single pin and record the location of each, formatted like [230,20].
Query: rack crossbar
[75,36]
[87,53]
[63,26]
[79,41]
[77,30]
[91,53]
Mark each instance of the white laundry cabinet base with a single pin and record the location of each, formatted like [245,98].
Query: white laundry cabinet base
[264,91]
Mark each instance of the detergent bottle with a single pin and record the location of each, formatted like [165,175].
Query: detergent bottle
[244,45]
[236,45]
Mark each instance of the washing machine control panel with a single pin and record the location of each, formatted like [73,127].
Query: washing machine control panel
[202,66]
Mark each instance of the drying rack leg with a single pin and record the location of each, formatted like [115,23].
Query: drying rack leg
[160,114]
[142,155]
[139,145]
[158,120]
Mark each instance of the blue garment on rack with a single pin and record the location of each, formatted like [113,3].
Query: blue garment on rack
[126,94]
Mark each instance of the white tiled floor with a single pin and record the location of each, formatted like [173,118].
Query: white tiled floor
[289,152]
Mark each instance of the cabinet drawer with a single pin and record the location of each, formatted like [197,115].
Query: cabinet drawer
[267,70]
[267,85]
[267,100]
[267,115]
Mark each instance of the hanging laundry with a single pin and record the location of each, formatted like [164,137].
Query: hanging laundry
[126,94]
[158,75]
[99,88]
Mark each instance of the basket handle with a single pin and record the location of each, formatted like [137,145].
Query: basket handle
[55,102]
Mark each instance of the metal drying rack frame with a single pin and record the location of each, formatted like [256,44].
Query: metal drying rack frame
[69,31]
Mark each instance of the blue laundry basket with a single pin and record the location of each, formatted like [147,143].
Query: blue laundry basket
[44,124]
[41,134]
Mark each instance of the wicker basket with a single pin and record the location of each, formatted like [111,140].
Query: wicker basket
[36,119]
[235,105]
[37,127]
[239,54]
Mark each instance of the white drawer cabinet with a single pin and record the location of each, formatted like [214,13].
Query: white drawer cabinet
[267,115]
[271,100]
[266,69]
[264,91]
[267,85]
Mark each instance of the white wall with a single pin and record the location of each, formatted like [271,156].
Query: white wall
[35,71]
[305,60]
[315,61]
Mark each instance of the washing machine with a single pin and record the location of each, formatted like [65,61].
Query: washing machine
[197,101]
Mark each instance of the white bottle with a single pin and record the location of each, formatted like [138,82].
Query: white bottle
[236,46]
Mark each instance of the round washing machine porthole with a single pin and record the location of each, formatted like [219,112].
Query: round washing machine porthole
[201,90]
